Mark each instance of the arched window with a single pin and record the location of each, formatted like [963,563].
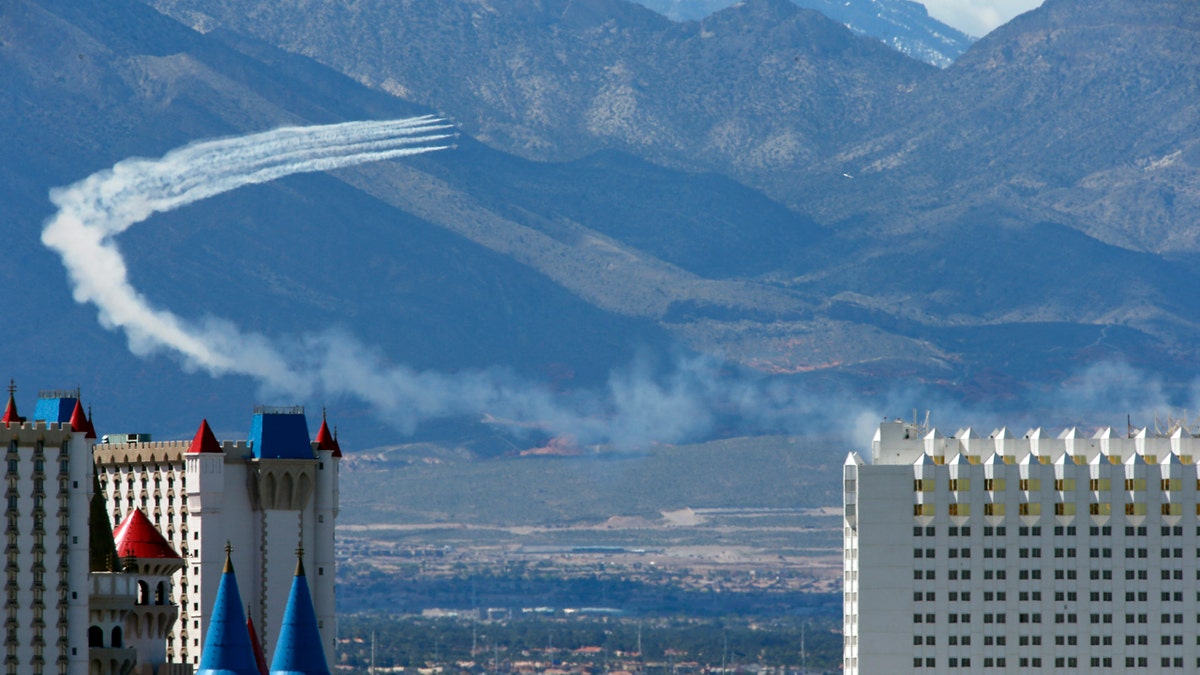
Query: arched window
[160,593]
[95,636]
[116,637]
[143,597]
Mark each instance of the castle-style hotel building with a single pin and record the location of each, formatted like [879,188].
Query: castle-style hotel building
[157,594]
[1033,552]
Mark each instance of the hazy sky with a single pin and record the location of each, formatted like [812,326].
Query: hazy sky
[977,17]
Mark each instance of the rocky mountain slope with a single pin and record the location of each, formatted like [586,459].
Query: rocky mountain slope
[902,24]
[1080,109]
[768,188]
[759,87]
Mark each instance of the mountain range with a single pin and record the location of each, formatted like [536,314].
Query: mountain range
[804,204]
[902,24]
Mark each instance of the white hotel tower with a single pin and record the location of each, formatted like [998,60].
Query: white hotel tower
[48,480]
[266,498]
[988,554]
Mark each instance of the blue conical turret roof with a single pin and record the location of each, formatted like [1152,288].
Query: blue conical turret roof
[227,648]
[298,650]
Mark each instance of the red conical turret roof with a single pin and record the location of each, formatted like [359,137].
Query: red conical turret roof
[79,421]
[136,536]
[326,440]
[204,441]
[324,437]
[10,412]
[91,429]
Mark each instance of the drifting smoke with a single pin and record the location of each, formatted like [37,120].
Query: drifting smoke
[101,206]
[643,403]
[637,408]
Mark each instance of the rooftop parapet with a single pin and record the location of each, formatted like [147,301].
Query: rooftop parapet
[1184,445]
[973,446]
[1008,447]
[1044,448]
[1151,447]
[1110,444]
[29,432]
[1078,447]
[159,451]
[897,442]
[940,448]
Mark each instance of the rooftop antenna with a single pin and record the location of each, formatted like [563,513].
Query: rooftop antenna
[926,424]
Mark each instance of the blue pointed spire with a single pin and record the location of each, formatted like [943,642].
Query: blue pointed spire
[227,648]
[298,650]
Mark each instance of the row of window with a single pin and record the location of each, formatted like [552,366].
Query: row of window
[1024,575]
[1058,552]
[1060,509]
[1059,618]
[1060,484]
[965,662]
[1059,531]
[1059,662]
[39,466]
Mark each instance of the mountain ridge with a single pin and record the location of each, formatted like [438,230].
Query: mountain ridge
[858,222]
[902,24]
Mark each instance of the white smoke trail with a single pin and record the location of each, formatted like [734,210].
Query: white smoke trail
[94,210]
[640,406]
[681,402]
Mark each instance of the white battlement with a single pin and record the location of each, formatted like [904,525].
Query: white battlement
[150,452]
[159,451]
[28,433]
[901,442]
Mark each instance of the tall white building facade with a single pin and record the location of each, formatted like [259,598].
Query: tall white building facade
[265,498]
[982,554]
[47,476]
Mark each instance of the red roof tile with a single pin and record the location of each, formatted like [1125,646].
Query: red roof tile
[327,441]
[324,438]
[78,419]
[136,536]
[204,441]
[10,412]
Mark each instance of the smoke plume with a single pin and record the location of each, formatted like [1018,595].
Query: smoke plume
[637,407]
[646,401]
